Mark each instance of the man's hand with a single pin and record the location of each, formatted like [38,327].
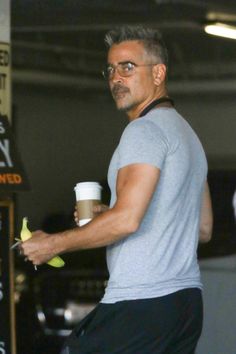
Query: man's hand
[97,210]
[39,248]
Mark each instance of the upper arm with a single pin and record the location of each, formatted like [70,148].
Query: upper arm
[135,186]
[141,153]
[206,218]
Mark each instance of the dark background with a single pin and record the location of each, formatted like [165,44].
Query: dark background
[66,128]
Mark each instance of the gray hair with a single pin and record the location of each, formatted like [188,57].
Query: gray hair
[151,39]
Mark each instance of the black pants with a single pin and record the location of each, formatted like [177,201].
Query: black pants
[169,324]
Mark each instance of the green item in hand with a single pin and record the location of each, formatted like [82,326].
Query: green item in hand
[26,234]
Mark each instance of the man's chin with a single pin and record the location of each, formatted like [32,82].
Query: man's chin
[123,107]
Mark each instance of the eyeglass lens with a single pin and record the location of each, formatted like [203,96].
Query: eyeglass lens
[123,69]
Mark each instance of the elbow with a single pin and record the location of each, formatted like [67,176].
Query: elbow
[126,223]
[204,238]
[133,226]
[205,235]
[130,226]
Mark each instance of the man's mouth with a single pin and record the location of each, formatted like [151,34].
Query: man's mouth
[119,91]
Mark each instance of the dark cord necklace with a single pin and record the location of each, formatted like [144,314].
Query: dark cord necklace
[155,103]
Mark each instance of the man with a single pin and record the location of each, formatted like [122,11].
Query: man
[160,208]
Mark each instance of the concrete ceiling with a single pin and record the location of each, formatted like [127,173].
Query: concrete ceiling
[62,41]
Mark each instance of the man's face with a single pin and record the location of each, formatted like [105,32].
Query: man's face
[135,91]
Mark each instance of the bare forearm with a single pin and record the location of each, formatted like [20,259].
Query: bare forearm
[206,221]
[135,187]
[105,229]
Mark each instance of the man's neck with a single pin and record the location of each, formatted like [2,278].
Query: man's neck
[136,112]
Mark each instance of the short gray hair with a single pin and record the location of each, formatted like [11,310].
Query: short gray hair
[151,39]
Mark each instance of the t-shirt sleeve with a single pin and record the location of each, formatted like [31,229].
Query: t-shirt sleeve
[142,142]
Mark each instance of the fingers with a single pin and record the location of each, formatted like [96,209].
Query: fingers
[22,253]
[97,209]
[100,208]
[76,218]
[26,258]
[37,249]
[29,248]
[32,257]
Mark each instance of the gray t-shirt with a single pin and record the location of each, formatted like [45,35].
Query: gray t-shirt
[161,256]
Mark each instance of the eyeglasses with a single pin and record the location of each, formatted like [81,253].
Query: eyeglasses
[124,69]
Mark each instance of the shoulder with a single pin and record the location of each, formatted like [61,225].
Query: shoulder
[143,135]
[141,127]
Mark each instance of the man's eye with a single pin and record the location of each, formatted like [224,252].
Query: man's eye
[128,66]
[110,70]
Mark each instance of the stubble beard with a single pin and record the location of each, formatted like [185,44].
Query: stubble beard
[124,103]
[125,107]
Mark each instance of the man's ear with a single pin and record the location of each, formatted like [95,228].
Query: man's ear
[159,74]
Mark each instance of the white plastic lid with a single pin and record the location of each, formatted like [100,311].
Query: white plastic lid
[88,190]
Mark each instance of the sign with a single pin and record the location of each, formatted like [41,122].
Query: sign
[5,80]
[5,22]
[12,175]
[7,320]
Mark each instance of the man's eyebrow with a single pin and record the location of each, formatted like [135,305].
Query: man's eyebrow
[126,62]
[122,62]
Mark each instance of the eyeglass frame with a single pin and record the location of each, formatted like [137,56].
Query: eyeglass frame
[108,76]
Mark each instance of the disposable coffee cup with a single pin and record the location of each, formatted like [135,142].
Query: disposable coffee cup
[88,194]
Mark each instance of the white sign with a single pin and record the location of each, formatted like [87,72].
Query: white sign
[5,79]
[5,21]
